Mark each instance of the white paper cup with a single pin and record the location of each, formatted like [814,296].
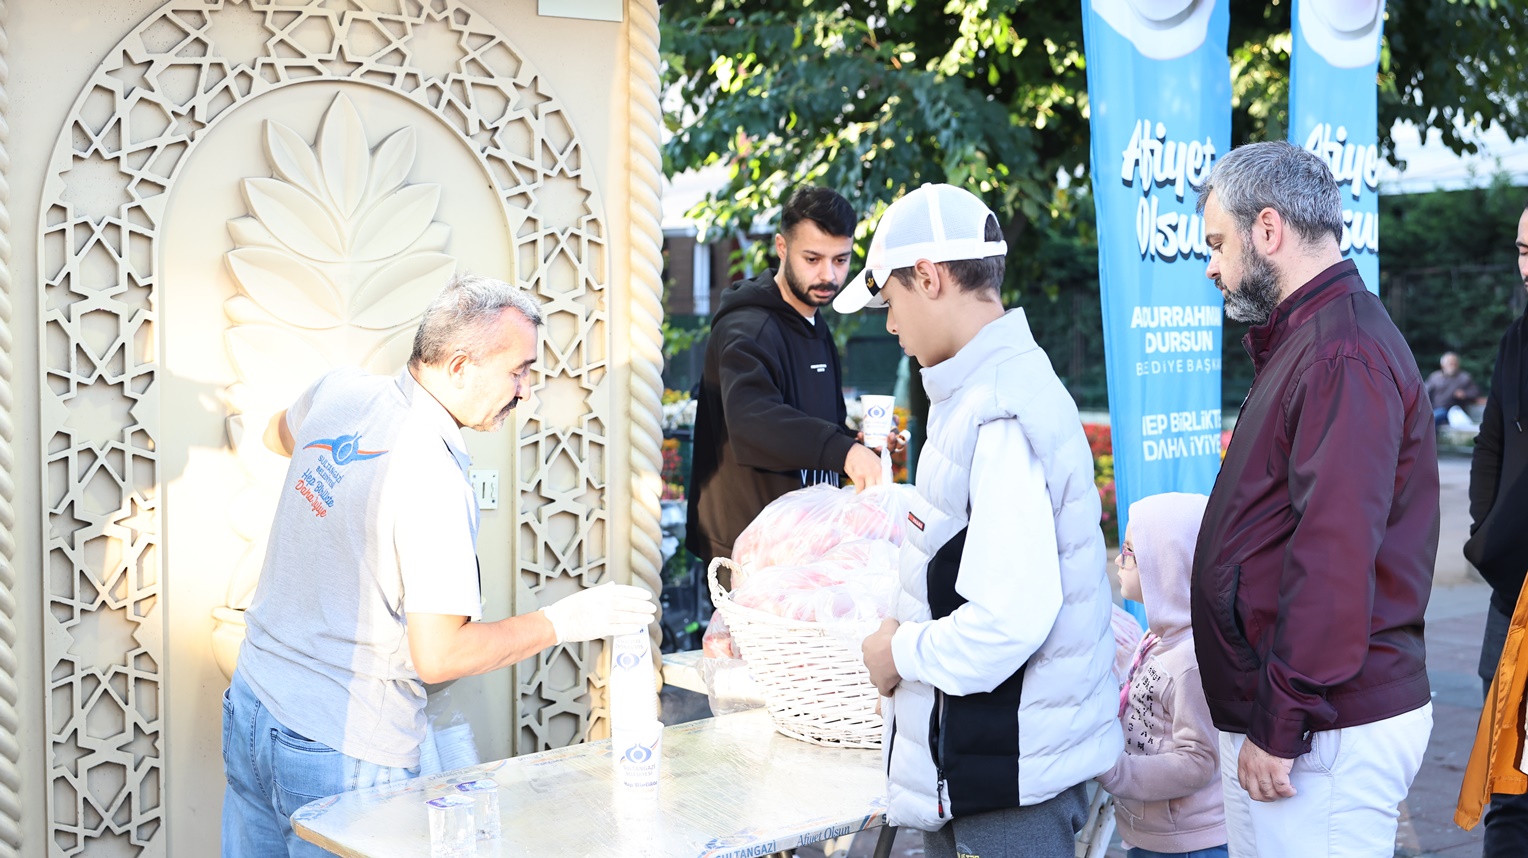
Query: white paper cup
[879,418]
[637,749]
[633,686]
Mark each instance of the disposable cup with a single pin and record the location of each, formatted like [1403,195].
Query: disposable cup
[637,749]
[485,812]
[633,686]
[878,419]
[452,833]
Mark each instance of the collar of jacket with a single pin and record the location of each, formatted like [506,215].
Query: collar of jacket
[1335,282]
[1007,335]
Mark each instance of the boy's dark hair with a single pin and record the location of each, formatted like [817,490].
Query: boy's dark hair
[822,206]
[973,275]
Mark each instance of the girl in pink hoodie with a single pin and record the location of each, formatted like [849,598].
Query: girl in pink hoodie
[1166,784]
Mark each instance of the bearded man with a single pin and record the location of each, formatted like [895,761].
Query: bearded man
[1315,556]
[771,417]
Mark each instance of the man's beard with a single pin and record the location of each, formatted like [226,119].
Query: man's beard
[498,419]
[1257,295]
[803,291]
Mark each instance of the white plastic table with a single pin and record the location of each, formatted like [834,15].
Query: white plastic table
[730,787]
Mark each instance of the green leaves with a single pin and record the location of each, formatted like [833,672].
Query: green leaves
[873,97]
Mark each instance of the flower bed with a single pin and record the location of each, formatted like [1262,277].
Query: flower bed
[1100,442]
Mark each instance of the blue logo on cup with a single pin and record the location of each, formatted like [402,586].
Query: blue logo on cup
[876,411]
[639,754]
[627,660]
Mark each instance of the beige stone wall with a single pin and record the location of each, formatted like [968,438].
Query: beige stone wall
[209,203]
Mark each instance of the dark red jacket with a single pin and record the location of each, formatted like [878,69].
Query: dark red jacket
[1315,558]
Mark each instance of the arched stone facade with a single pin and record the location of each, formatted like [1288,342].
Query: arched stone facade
[342,210]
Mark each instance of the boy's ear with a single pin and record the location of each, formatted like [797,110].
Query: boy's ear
[928,278]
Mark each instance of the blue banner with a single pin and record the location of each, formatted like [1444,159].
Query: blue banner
[1333,111]
[1159,95]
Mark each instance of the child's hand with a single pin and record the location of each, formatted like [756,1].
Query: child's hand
[878,659]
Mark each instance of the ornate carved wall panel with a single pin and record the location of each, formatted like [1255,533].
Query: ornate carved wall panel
[333,254]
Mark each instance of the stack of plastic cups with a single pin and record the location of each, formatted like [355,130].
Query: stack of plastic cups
[635,731]
[880,417]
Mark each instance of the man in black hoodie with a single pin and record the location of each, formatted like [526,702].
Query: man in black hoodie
[771,416]
[1498,544]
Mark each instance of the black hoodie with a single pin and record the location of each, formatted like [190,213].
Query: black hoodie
[1498,544]
[770,417]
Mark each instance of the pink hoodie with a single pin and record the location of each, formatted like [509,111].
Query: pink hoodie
[1167,783]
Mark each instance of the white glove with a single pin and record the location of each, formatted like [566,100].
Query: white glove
[599,612]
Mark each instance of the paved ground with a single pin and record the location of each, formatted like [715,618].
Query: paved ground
[1455,618]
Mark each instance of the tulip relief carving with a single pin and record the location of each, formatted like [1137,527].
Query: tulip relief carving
[333,264]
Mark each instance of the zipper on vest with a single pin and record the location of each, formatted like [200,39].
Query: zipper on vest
[936,747]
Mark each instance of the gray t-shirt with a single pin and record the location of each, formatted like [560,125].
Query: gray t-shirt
[376,520]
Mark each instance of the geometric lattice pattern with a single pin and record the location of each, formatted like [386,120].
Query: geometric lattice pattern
[144,109]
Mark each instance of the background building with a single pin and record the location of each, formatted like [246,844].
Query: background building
[204,206]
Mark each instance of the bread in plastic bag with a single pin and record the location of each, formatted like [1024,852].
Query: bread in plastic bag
[729,686]
[800,527]
[824,555]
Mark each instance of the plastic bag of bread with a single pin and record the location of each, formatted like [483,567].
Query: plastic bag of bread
[729,685]
[853,582]
[717,641]
[800,527]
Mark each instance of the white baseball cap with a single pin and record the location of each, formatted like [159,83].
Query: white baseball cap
[940,223]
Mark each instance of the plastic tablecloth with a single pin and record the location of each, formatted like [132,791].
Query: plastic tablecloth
[729,787]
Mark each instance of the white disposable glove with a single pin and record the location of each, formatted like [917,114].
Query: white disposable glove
[599,612]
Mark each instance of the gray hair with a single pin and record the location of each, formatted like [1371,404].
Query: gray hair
[1278,175]
[465,316]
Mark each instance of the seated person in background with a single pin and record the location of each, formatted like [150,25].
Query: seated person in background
[1449,386]
[1166,784]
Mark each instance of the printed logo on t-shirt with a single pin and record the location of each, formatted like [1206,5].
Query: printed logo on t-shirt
[317,483]
[345,449]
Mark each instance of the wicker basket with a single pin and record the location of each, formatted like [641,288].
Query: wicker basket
[816,687]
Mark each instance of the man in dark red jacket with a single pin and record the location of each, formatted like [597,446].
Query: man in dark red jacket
[1315,557]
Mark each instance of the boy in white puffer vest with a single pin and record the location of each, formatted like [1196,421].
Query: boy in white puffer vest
[997,668]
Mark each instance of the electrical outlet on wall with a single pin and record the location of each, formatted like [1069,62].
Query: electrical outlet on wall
[485,484]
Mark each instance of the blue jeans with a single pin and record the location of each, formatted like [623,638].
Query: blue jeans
[1212,852]
[273,771]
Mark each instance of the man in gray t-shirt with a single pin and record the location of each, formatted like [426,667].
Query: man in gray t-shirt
[370,585]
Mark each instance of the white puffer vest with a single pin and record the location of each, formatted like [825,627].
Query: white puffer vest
[1059,710]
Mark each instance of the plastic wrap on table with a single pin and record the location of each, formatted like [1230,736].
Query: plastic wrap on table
[802,526]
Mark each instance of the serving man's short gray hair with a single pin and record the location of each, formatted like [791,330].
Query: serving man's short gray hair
[465,316]
[1279,175]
